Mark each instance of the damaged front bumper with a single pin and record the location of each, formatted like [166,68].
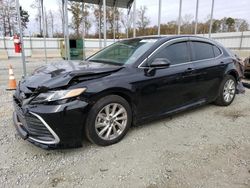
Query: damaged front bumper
[51,126]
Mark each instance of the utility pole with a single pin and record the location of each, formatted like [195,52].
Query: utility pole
[21,37]
[211,19]
[134,19]
[44,32]
[196,17]
[67,29]
[104,24]
[84,28]
[159,18]
[179,20]
[114,23]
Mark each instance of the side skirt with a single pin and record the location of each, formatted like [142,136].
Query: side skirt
[172,112]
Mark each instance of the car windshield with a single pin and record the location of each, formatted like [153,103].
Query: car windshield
[123,52]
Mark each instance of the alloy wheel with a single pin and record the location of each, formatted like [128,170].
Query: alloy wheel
[111,121]
[229,91]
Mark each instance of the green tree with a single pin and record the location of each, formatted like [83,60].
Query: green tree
[230,22]
[216,27]
[79,15]
[24,18]
[76,10]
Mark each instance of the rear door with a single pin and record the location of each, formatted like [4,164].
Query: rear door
[208,68]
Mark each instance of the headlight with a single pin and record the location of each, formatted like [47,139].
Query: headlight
[58,95]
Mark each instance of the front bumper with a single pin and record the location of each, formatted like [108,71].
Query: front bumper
[247,71]
[51,126]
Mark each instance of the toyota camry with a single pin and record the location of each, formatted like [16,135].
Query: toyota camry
[126,83]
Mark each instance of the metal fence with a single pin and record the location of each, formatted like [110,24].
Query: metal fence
[237,41]
[35,46]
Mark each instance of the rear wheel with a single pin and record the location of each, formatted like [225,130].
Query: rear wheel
[227,91]
[108,120]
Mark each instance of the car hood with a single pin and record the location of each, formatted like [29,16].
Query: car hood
[59,74]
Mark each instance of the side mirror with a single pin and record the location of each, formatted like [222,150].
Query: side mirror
[160,63]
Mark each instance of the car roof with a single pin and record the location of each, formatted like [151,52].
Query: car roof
[164,38]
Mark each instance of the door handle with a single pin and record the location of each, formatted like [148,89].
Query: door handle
[222,64]
[189,70]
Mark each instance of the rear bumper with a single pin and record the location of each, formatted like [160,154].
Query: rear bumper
[51,126]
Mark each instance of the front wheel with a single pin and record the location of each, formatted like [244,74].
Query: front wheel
[108,120]
[227,91]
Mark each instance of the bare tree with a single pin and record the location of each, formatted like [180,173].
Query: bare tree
[8,17]
[37,5]
[86,18]
[187,25]
[98,13]
[241,25]
[46,22]
[113,17]
[51,22]
[3,16]
[61,13]
[126,21]
[143,20]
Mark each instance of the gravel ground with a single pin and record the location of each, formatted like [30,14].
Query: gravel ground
[205,148]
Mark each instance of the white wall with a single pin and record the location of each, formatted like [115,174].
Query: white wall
[234,41]
[38,44]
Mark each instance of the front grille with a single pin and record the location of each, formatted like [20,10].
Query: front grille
[33,125]
[37,129]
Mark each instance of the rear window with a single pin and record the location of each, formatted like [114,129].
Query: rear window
[202,51]
[217,51]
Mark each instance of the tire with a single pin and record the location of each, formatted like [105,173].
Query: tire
[99,124]
[222,99]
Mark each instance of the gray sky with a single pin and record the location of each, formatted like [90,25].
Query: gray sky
[223,8]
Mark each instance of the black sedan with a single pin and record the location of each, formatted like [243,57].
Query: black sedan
[129,82]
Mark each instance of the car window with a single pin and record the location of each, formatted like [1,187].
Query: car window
[217,51]
[202,50]
[176,53]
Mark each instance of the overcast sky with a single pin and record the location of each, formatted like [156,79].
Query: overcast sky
[223,8]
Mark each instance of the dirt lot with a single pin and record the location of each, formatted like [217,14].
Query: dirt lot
[208,147]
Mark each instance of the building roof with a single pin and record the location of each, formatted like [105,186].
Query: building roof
[111,3]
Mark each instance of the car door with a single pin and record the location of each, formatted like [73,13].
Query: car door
[165,89]
[208,67]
